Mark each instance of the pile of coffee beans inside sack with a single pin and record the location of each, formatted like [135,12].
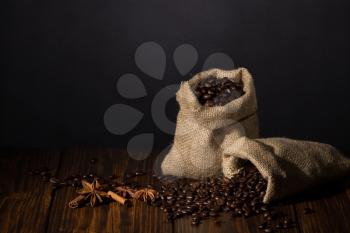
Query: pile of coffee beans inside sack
[218,92]
[240,196]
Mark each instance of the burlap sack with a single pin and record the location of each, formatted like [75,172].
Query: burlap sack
[201,131]
[289,166]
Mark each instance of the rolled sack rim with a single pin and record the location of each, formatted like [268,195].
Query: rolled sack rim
[236,109]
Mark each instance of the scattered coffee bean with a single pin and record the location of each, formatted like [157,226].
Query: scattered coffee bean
[140,173]
[129,175]
[242,195]
[93,160]
[54,181]
[286,221]
[262,226]
[279,225]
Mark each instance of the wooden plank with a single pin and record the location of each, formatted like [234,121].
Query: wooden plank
[144,218]
[331,211]
[226,223]
[105,218]
[25,200]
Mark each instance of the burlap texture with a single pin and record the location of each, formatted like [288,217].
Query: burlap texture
[202,131]
[289,166]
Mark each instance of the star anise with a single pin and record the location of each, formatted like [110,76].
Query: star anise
[145,194]
[93,192]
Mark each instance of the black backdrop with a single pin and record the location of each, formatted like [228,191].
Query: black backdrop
[62,59]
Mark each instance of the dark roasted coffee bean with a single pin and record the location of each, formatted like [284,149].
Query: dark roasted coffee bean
[195,222]
[217,92]
[170,216]
[54,181]
[268,230]
[36,172]
[140,173]
[213,214]
[220,201]
[262,226]
[206,96]
[286,221]
[264,208]
[279,225]
[93,160]
[205,214]
[238,211]
[43,173]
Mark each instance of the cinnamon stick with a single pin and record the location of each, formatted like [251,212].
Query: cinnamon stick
[76,202]
[118,198]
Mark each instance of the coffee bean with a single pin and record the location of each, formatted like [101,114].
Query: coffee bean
[242,195]
[206,96]
[213,214]
[286,221]
[54,181]
[43,173]
[205,214]
[140,173]
[262,226]
[217,92]
[195,222]
[129,175]
[36,172]
[279,225]
[93,160]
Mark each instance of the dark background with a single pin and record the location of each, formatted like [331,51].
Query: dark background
[62,59]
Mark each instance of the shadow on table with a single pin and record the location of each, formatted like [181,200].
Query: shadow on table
[331,188]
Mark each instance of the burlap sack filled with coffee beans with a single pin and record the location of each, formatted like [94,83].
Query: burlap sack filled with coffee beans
[201,131]
[289,166]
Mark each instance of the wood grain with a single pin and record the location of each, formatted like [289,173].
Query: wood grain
[29,205]
[144,218]
[227,223]
[103,218]
[25,200]
[331,212]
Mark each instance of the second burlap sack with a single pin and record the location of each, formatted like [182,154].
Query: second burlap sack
[288,165]
[202,131]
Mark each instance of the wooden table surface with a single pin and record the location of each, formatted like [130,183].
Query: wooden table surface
[29,205]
